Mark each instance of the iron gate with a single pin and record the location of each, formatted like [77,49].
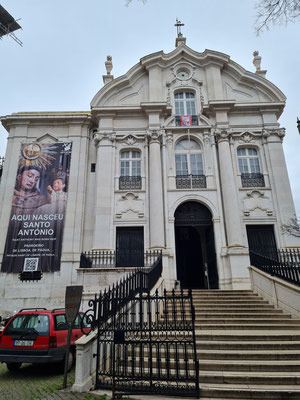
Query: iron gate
[148,347]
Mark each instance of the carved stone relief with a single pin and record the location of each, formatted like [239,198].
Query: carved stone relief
[129,206]
[257,204]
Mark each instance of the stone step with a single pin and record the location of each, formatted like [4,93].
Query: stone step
[218,292]
[247,345]
[232,310]
[247,302]
[240,392]
[238,354]
[265,315]
[228,296]
[263,366]
[224,306]
[247,321]
[232,318]
[250,378]
[255,335]
[214,366]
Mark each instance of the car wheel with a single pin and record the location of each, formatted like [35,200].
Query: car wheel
[13,366]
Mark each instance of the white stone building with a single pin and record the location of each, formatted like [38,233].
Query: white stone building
[182,154]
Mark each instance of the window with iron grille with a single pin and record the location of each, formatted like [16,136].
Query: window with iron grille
[249,167]
[130,170]
[185,105]
[189,165]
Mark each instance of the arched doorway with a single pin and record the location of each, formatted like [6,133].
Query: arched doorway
[195,247]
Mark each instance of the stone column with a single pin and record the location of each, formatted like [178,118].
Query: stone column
[279,180]
[103,232]
[229,192]
[157,235]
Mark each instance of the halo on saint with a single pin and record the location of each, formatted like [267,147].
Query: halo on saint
[38,155]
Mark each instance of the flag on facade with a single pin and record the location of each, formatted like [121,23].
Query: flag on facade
[186,120]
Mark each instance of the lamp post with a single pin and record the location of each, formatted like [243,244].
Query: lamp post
[298,124]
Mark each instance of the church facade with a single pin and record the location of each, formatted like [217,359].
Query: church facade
[182,154]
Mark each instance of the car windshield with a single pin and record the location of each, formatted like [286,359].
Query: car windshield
[31,323]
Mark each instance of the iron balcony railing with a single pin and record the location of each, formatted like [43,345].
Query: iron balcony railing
[108,259]
[180,121]
[130,182]
[284,264]
[190,181]
[253,180]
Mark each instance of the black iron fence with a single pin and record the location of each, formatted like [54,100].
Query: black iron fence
[108,259]
[146,344]
[141,280]
[190,181]
[284,264]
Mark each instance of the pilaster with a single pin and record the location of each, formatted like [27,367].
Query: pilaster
[156,218]
[104,141]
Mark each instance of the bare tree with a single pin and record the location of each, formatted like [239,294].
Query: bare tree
[127,2]
[275,12]
[268,12]
[291,227]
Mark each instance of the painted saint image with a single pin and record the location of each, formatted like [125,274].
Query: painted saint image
[35,231]
[27,197]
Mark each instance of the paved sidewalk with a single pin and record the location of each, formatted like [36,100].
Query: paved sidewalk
[43,382]
[38,382]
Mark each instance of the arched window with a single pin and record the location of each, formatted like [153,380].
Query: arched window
[130,170]
[249,167]
[189,165]
[185,108]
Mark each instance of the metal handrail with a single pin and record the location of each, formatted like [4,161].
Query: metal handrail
[142,280]
[284,264]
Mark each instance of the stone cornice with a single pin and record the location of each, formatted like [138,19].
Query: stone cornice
[156,108]
[220,105]
[272,107]
[43,118]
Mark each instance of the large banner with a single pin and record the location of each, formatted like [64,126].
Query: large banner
[35,230]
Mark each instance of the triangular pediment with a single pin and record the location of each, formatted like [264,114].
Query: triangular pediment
[47,138]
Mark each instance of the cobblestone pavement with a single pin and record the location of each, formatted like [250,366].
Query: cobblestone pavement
[38,382]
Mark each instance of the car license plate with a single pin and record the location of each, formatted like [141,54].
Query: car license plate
[23,343]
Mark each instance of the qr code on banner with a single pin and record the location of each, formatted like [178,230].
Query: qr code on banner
[31,264]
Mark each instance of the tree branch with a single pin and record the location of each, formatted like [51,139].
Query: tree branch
[275,12]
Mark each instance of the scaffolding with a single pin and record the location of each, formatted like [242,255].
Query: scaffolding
[8,25]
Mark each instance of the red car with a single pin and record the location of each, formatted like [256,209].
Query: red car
[38,335]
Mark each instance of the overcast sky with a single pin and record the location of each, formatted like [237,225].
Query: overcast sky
[61,63]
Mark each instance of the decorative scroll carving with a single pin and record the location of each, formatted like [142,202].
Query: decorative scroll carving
[256,203]
[280,132]
[99,136]
[155,135]
[222,134]
[130,205]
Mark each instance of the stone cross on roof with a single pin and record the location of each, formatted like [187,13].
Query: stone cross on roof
[179,24]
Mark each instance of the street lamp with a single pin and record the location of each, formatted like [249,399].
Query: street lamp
[298,124]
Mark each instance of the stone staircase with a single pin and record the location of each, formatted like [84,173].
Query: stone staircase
[246,348]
